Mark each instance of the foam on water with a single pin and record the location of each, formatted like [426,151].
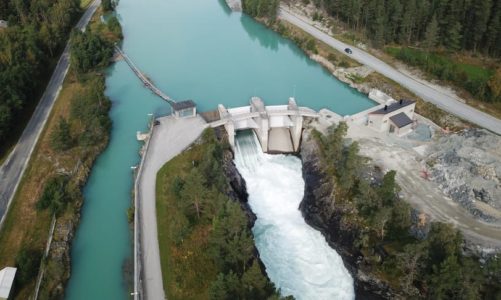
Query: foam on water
[297,257]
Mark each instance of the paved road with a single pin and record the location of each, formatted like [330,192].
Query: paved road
[426,92]
[13,168]
[169,139]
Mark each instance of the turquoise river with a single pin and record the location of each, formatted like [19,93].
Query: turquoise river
[191,49]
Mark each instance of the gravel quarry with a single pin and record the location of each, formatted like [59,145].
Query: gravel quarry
[453,178]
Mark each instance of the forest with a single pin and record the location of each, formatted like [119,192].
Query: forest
[206,244]
[36,34]
[454,24]
[431,267]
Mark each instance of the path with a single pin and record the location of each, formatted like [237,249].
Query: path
[422,89]
[146,81]
[169,139]
[14,166]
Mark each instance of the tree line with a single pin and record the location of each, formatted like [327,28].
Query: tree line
[29,47]
[212,253]
[434,267]
[261,8]
[454,24]
[82,134]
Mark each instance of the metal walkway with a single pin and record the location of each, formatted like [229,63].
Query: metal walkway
[143,78]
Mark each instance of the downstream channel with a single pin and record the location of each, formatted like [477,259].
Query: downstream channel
[297,257]
[191,49]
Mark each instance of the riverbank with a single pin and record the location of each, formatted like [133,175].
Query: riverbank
[204,226]
[466,71]
[391,250]
[52,184]
[348,70]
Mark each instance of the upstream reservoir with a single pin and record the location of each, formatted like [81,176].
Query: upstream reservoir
[191,49]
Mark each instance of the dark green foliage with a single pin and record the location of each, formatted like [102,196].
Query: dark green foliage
[201,201]
[55,195]
[28,48]
[60,138]
[27,264]
[261,8]
[434,268]
[475,80]
[457,25]
[108,5]
[114,27]
[90,109]
[89,51]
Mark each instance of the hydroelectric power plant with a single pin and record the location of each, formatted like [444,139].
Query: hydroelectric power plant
[228,75]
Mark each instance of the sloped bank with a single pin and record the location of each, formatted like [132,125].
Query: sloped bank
[318,195]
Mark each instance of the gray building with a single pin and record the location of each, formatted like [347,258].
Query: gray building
[184,109]
[3,24]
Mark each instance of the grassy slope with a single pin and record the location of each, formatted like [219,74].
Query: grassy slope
[24,225]
[187,270]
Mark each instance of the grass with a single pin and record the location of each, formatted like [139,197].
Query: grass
[187,270]
[294,33]
[24,225]
[85,3]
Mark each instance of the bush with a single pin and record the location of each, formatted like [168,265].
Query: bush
[27,264]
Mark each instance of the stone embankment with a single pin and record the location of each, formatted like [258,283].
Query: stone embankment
[467,168]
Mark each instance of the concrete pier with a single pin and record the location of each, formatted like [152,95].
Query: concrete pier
[277,127]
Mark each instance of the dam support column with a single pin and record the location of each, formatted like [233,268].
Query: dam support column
[257,105]
[229,125]
[296,129]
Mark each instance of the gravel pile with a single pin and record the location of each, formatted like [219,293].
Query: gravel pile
[467,167]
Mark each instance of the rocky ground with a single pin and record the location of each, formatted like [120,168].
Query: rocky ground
[452,178]
[467,167]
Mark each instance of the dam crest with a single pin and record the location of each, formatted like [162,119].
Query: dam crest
[277,127]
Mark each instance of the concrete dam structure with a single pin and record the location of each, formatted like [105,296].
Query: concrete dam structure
[277,127]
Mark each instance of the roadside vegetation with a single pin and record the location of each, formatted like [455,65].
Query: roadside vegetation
[206,245]
[76,132]
[29,50]
[455,42]
[434,267]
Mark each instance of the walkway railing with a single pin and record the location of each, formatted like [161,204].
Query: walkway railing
[143,78]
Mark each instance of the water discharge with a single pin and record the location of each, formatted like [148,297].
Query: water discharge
[297,257]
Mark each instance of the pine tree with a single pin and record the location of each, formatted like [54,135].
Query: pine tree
[61,139]
[454,37]
[431,34]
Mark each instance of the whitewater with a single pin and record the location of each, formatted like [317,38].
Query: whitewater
[297,258]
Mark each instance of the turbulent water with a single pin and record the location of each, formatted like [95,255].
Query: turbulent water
[297,257]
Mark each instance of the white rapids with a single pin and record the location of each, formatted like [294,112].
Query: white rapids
[297,257]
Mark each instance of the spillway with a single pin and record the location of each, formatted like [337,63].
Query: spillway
[297,257]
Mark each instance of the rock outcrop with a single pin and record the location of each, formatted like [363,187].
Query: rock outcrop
[467,167]
[321,211]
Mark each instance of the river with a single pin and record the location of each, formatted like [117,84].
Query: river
[191,49]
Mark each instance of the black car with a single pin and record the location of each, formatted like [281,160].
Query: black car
[348,50]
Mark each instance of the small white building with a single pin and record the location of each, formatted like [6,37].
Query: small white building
[184,109]
[3,24]
[6,280]
[394,118]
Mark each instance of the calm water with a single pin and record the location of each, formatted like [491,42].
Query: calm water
[192,49]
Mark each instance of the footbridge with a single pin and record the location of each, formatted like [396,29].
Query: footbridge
[147,82]
[278,127]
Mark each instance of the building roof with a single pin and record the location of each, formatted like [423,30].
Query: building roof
[183,105]
[393,107]
[401,120]
[3,24]
[6,281]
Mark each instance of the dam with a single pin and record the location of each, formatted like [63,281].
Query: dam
[277,127]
